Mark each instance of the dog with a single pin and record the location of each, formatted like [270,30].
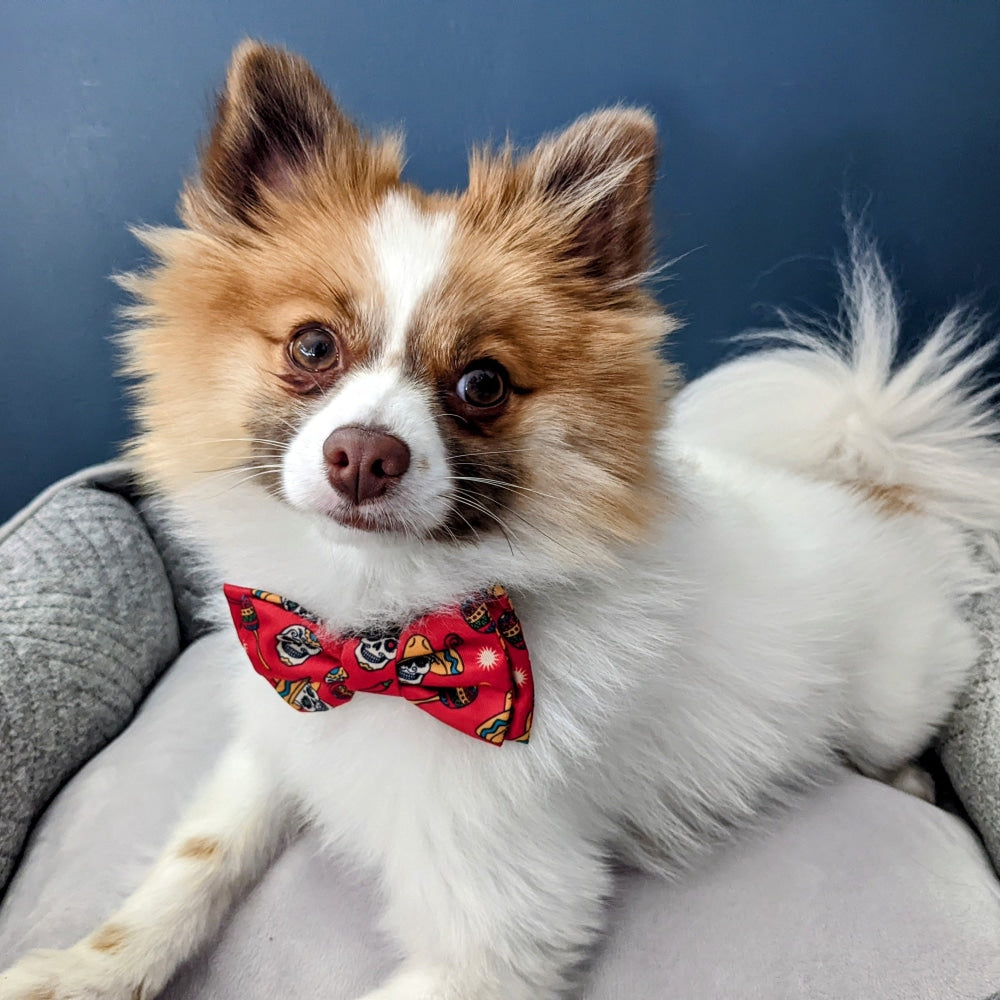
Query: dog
[638,616]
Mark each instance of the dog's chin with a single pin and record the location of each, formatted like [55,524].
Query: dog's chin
[362,520]
[365,523]
[371,522]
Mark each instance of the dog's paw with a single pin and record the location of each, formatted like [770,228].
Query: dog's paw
[915,781]
[410,984]
[420,982]
[75,974]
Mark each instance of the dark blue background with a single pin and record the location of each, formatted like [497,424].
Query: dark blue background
[772,113]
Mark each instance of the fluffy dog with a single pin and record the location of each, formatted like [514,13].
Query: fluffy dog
[380,403]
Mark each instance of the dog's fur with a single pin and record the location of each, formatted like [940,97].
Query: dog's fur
[725,591]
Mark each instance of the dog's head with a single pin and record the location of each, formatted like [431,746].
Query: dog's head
[460,370]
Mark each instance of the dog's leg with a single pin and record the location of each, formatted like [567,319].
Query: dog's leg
[228,834]
[909,778]
[496,917]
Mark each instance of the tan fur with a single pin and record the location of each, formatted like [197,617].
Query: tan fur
[215,319]
[200,849]
[214,315]
[892,500]
[108,938]
[598,384]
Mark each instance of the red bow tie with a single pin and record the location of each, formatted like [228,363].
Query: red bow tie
[467,665]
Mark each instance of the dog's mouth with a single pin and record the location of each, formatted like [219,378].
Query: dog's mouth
[370,518]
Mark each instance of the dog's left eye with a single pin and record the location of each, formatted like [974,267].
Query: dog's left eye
[313,348]
[484,385]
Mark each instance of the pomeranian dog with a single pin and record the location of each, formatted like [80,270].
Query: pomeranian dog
[542,608]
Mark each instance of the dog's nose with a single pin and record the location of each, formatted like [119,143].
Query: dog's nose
[362,463]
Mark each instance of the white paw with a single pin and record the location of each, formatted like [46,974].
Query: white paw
[409,984]
[75,974]
[430,982]
[916,781]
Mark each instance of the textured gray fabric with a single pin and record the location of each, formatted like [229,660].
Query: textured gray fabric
[86,625]
[970,747]
[189,577]
[863,894]
[115,476]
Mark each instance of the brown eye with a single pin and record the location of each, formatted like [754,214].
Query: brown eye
[313,348]
[484,384]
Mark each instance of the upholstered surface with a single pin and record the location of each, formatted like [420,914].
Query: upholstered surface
[87,622]
[863,893]
[970,748]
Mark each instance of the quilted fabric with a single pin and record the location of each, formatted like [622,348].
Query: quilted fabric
[970,747]
[87,623]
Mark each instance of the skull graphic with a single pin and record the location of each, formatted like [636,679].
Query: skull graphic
[420,658]
[295,644]
[417,661]
[413,669]
[301,695]
[307,700]
[376,651]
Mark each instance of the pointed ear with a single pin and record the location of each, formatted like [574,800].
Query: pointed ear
[598,175]
[274,120]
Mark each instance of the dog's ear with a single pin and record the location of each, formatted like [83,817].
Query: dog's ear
[275,120]
[598,177]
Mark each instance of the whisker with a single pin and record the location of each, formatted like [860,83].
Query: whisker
[233,486]
[292,427]
[475,505]
[240,467]
[471,500]
[235,440]
[506,486]
[490,454]
[470,525]
[533,526]
[251,440]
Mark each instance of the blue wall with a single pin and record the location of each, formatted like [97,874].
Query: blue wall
[771,113]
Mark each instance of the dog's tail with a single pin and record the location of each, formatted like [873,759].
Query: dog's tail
[837,403]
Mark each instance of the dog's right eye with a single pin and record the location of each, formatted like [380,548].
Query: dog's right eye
[313,348]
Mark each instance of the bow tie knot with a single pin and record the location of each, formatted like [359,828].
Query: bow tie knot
[467,666]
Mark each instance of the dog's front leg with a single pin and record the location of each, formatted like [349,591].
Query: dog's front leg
[497,916]
[226,837]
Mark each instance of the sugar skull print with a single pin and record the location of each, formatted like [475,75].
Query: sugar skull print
[295,644]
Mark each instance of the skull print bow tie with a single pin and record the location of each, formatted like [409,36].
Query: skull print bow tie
[467,666]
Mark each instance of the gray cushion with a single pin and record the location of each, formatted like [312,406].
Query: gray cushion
[87,623]
[970,748]
[862,893]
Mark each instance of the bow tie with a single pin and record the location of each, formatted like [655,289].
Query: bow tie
[467,665]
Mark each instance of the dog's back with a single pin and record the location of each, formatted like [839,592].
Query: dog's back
[837,404]
[907,452]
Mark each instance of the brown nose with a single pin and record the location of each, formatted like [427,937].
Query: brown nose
[362,463]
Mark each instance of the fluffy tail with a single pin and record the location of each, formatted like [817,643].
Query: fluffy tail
[836,402]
